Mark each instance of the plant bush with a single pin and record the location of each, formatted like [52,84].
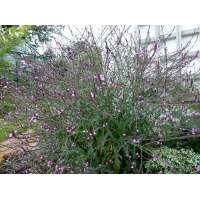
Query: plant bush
[99,110]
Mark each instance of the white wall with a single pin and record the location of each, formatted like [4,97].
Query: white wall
[186,36]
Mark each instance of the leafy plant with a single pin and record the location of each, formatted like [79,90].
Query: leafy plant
[169,160]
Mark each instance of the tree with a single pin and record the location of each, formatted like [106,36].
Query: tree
[10,38]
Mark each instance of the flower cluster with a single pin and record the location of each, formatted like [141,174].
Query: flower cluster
[60,111]
[70,129]
[18,89]
[136,141]
[195,131]
[46,126]
[101,80]
[73,94]
[34,118]
[59,169]
[100,77]
[190,113]
[168,118]
[90,134]
[33,98]
[49,163]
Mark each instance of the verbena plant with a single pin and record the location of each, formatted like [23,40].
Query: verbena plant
[102,104]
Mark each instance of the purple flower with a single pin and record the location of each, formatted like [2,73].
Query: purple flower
[100,77]
[168,118]
[59,169]
[72,93]
[62,168]
[34,118]
[113,84]
[45,126]
[195,114]
[71,129]
[195,130]
[192,114]
[60,111]
[18,89]
[49,163]
[33,98]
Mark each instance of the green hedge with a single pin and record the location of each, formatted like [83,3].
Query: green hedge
[169,160]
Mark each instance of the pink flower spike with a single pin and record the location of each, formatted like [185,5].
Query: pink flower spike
[34,118]
[49,163]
